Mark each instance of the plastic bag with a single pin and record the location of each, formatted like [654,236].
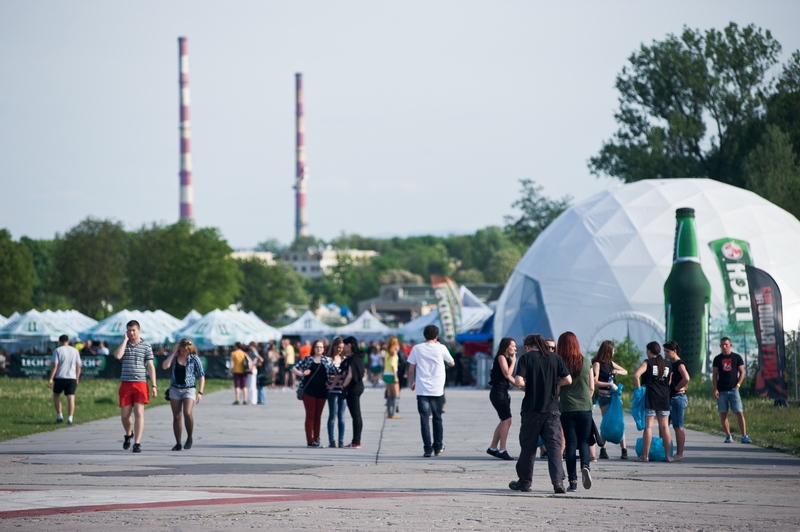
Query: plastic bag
[656,453]
[637,407]
[612,427]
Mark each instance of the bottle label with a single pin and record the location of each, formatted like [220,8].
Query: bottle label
[732,254]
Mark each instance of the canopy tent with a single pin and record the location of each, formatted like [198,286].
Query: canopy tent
[154,328]
[226,327]
[191,317]
[69,322]
[3,320]
[168,321]
[474,314]
[367,327]
[31,330]
[307,327]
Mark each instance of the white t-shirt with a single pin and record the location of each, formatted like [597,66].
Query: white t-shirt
[68,360]
[429,375]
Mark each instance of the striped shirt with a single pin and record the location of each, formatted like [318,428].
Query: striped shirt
[194,370]
[134,362]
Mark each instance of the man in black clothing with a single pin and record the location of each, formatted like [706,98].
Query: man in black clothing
[540,373]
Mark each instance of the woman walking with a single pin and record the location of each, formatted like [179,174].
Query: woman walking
[501,376]
[316,371]
[605,369]
[390,365]
[353,385]
[677,395]
[335,395]
[576,409]
[251,382]
[656,374]
[186,376]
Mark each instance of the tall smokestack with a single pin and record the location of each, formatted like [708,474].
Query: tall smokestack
[301,222]
[186,131]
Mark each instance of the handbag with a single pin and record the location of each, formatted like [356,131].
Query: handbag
[301,388]
[595,437]
[246,364]
[166,393]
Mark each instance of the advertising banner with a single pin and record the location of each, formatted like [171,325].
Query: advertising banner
[449,306]
[767,311]
[732,256]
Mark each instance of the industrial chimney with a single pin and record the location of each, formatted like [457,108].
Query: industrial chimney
[186,131]
[301,222]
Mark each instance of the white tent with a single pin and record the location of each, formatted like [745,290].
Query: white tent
[225,328]
[30,330]
[307,327]
[191,317]
[69,322]
[599,269]
[154,328]
[3,320]
[471,318]
[367,327]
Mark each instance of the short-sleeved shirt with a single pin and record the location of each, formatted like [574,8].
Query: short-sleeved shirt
[429,376]
[541,374]
[68,360]
[315,383]
[356,364]
[192,371]
[676,377]
[288,355]
[237,357]
[577,397]
[390,363]
[134,362]
[727,370]
[657,395]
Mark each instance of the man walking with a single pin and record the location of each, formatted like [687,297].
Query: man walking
[540,373]
[137,367]
[64,376]
[728,374]
[427,376]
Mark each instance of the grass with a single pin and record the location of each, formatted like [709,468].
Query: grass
[27,404]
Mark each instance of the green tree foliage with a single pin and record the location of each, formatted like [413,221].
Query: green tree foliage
[626,355]
[772,170]
[394,276]
[349,282]
[502,264]
[177,268]
[537,213]
[45,290]
[272,245]
[692,106]
[90,261]
[17,275]
[469,276]
[268,288]
[303,243]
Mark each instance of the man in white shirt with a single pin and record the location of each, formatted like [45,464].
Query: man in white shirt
[65,372]
[427,377]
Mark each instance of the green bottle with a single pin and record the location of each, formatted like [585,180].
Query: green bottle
[687,295]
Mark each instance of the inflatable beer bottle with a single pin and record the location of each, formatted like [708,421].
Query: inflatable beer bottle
[687,295]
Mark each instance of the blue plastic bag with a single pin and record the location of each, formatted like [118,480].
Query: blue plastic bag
[612,427]
[637,407]
[656,453]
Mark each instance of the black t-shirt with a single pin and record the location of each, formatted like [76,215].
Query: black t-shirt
[657,395]
[541,374]
[356,363]
[727,371]
[676,376]
[498,381]
[316,381]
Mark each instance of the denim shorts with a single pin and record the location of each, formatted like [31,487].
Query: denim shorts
[730,399]
[179,394]
[649,412]
[678,405]
[603,400]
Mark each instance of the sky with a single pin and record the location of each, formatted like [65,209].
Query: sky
[421,116]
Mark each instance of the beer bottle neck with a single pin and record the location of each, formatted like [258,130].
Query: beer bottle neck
[685,241]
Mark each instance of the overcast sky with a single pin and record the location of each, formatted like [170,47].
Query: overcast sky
[421,116]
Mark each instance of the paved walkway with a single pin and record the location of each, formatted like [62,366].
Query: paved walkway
[250,468]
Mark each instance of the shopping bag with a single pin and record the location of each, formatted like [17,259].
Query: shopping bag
[612,427]
[637,407]
[656,453]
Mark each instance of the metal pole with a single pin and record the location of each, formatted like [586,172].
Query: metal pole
[796,353]
[187,199]
[301,222]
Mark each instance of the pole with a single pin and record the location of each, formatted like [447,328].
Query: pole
[186,194]
[301,223]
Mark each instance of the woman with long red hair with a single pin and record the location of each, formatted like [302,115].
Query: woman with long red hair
[576,409]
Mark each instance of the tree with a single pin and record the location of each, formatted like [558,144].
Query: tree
[272,245]
[691,106]
[303,243]
[17,275]
[469,276]
[772,170]
[45,291]
[177,268]
[502,264]
[91,261]
[537,213]
[395,276]
[268,288]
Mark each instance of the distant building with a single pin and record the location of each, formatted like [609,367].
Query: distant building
[315,263]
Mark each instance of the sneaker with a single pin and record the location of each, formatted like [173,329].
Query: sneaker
[559,488]
[491,452]
[58,420]
[593,458]
[236,402]
[440,451]
[353,446]
[503,455]
[624,455]
[603,453]
[177,447]
[332,444]
[516,485]
[137,448]
[70,422]
[728,439]
[586,477]
[188,444]
[341,444]
[746,439]
[543,455]
[573,486]
[126,443]
[314,444]
[427,454]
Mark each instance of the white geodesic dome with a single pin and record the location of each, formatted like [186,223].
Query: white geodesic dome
[599,269]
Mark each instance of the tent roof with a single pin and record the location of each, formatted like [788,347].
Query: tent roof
[366,327]
[225,328]
[32,324]
[471,318]
[307,326]
[154,327]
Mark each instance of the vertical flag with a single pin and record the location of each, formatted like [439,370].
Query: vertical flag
[767,310]
[449,306]
[733,255]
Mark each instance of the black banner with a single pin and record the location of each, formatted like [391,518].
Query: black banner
[765,300]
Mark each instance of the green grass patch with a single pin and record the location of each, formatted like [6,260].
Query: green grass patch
[27,404]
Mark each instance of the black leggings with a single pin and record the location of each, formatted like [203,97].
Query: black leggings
[354,406]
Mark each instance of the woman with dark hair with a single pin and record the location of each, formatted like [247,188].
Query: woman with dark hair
[576,408]
[604,369]
[501,375]
[656,374]
[316,371]
[186,376]
[335,395]
[353,370]
[677,396]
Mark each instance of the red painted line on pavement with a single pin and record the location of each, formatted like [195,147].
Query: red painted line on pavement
[279,496]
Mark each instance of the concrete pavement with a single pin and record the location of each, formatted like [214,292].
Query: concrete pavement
[249,467]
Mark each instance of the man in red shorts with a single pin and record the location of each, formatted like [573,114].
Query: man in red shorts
[137,367]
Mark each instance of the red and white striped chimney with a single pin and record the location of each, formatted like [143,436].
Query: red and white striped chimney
[301,222]
[187,198]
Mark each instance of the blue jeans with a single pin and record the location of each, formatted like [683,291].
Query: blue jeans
[262,395]
[729,400]
[577,427]
[335,410]
[678,405]
[427,406]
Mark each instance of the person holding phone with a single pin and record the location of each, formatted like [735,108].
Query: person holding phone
[186,376]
